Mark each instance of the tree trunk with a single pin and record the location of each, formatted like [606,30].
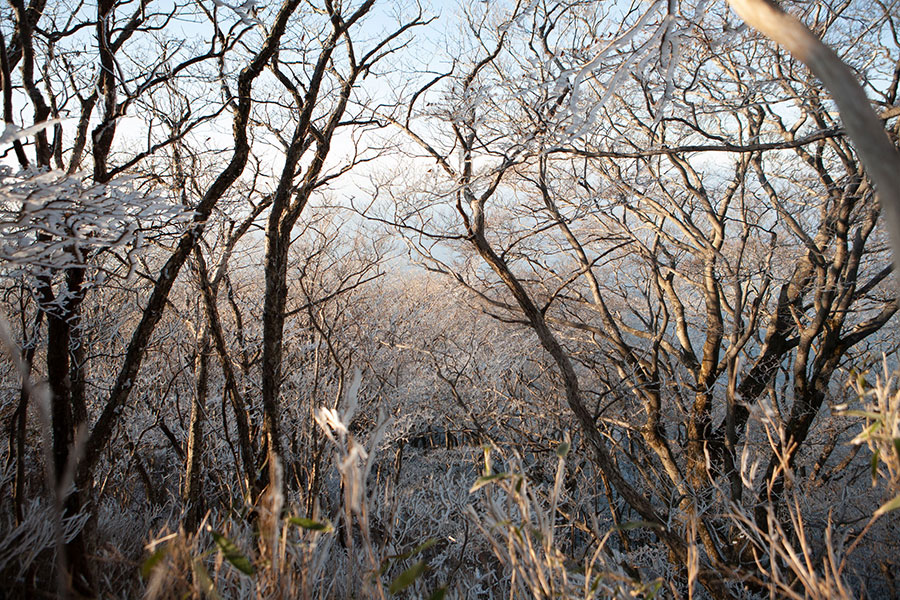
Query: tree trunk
[193,477]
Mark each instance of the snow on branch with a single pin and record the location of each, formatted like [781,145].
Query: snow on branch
[51,221]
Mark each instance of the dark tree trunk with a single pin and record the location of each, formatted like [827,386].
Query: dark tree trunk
[193,478]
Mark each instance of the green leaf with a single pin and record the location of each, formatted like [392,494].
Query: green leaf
[232,554]
[875,456]
[868,432]
[407,577]
[201,576]
[311,525]
[439,593]
[897,446]
[418,549]
[424,546]
[888,506]
[862,414]
[518,533]
[153,560]
[483,481]
[653,589]
[563,449]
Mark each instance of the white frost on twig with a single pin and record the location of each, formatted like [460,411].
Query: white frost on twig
[50,220]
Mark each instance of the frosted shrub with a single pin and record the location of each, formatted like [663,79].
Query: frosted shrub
[796,559]
[22,545]
[521,522]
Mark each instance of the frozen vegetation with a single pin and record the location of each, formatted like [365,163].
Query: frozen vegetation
[513,299]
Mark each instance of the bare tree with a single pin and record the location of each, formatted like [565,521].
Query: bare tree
[643,229]
[119,87]
[877,152]
[321,101]
[701,288]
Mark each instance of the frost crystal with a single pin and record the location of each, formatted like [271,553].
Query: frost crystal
[50,220]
